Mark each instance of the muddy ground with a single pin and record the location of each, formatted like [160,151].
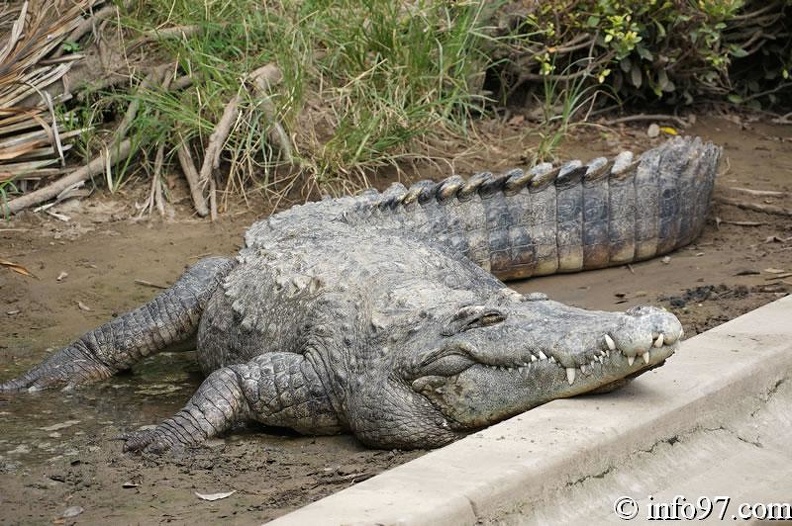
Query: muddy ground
[59,463]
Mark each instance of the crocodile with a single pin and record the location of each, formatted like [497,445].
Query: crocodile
[385,315]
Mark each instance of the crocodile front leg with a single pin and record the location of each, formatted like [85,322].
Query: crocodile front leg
[278,389]
[168,320]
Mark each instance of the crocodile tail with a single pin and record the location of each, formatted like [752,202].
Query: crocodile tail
[559,219]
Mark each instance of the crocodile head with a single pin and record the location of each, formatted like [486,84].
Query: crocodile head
[490,361]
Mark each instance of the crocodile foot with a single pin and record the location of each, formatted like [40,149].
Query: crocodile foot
[67,368]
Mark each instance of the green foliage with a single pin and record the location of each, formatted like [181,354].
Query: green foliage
[565,103]
[362,81]
[669,50]
[366,84]
[6,187]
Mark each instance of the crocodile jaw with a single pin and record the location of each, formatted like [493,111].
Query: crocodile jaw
[492,389]
[483,394]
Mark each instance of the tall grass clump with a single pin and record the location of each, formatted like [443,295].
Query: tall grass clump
[361,83]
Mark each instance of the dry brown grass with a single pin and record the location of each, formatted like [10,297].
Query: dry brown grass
[33,136]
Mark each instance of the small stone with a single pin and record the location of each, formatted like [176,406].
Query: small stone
[72,511]
[60,425]
[653,131]
[214,496]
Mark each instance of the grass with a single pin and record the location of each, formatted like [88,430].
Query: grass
[362,86]
[566,103]
[6,187]
[362,83]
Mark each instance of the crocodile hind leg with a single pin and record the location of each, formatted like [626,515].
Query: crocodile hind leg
[168,320]
[278,389]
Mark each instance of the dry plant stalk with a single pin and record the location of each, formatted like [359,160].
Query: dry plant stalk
[756,207]
[155,195]
[31,140]
[109,157]
[759,193]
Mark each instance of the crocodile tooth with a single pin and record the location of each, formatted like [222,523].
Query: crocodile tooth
[542,355]
[534,358]
[630,360]
[659,341]
[552,359]
[583,369]
[570,373]
[646,357]
[599,358]
[610,343]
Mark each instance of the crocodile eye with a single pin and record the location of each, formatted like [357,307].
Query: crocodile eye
[484,318]
[491,318]
[473,317]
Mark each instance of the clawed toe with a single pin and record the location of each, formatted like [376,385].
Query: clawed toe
[148,441]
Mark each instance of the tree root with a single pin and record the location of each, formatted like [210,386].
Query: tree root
[193,181]
[263,79]
[155,194]
[213,150]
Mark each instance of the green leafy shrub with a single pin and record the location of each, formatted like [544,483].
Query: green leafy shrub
[657,50]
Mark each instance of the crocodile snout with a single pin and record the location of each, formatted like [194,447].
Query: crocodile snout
[644,328]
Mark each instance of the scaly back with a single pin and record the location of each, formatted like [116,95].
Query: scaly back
[549,219]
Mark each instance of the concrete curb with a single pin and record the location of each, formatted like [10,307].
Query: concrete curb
[512,472]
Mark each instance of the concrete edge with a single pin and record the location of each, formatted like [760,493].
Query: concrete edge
[526,459]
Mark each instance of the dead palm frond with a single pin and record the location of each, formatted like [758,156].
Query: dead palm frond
[32,135]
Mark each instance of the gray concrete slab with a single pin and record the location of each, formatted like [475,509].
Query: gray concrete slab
[713,422]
